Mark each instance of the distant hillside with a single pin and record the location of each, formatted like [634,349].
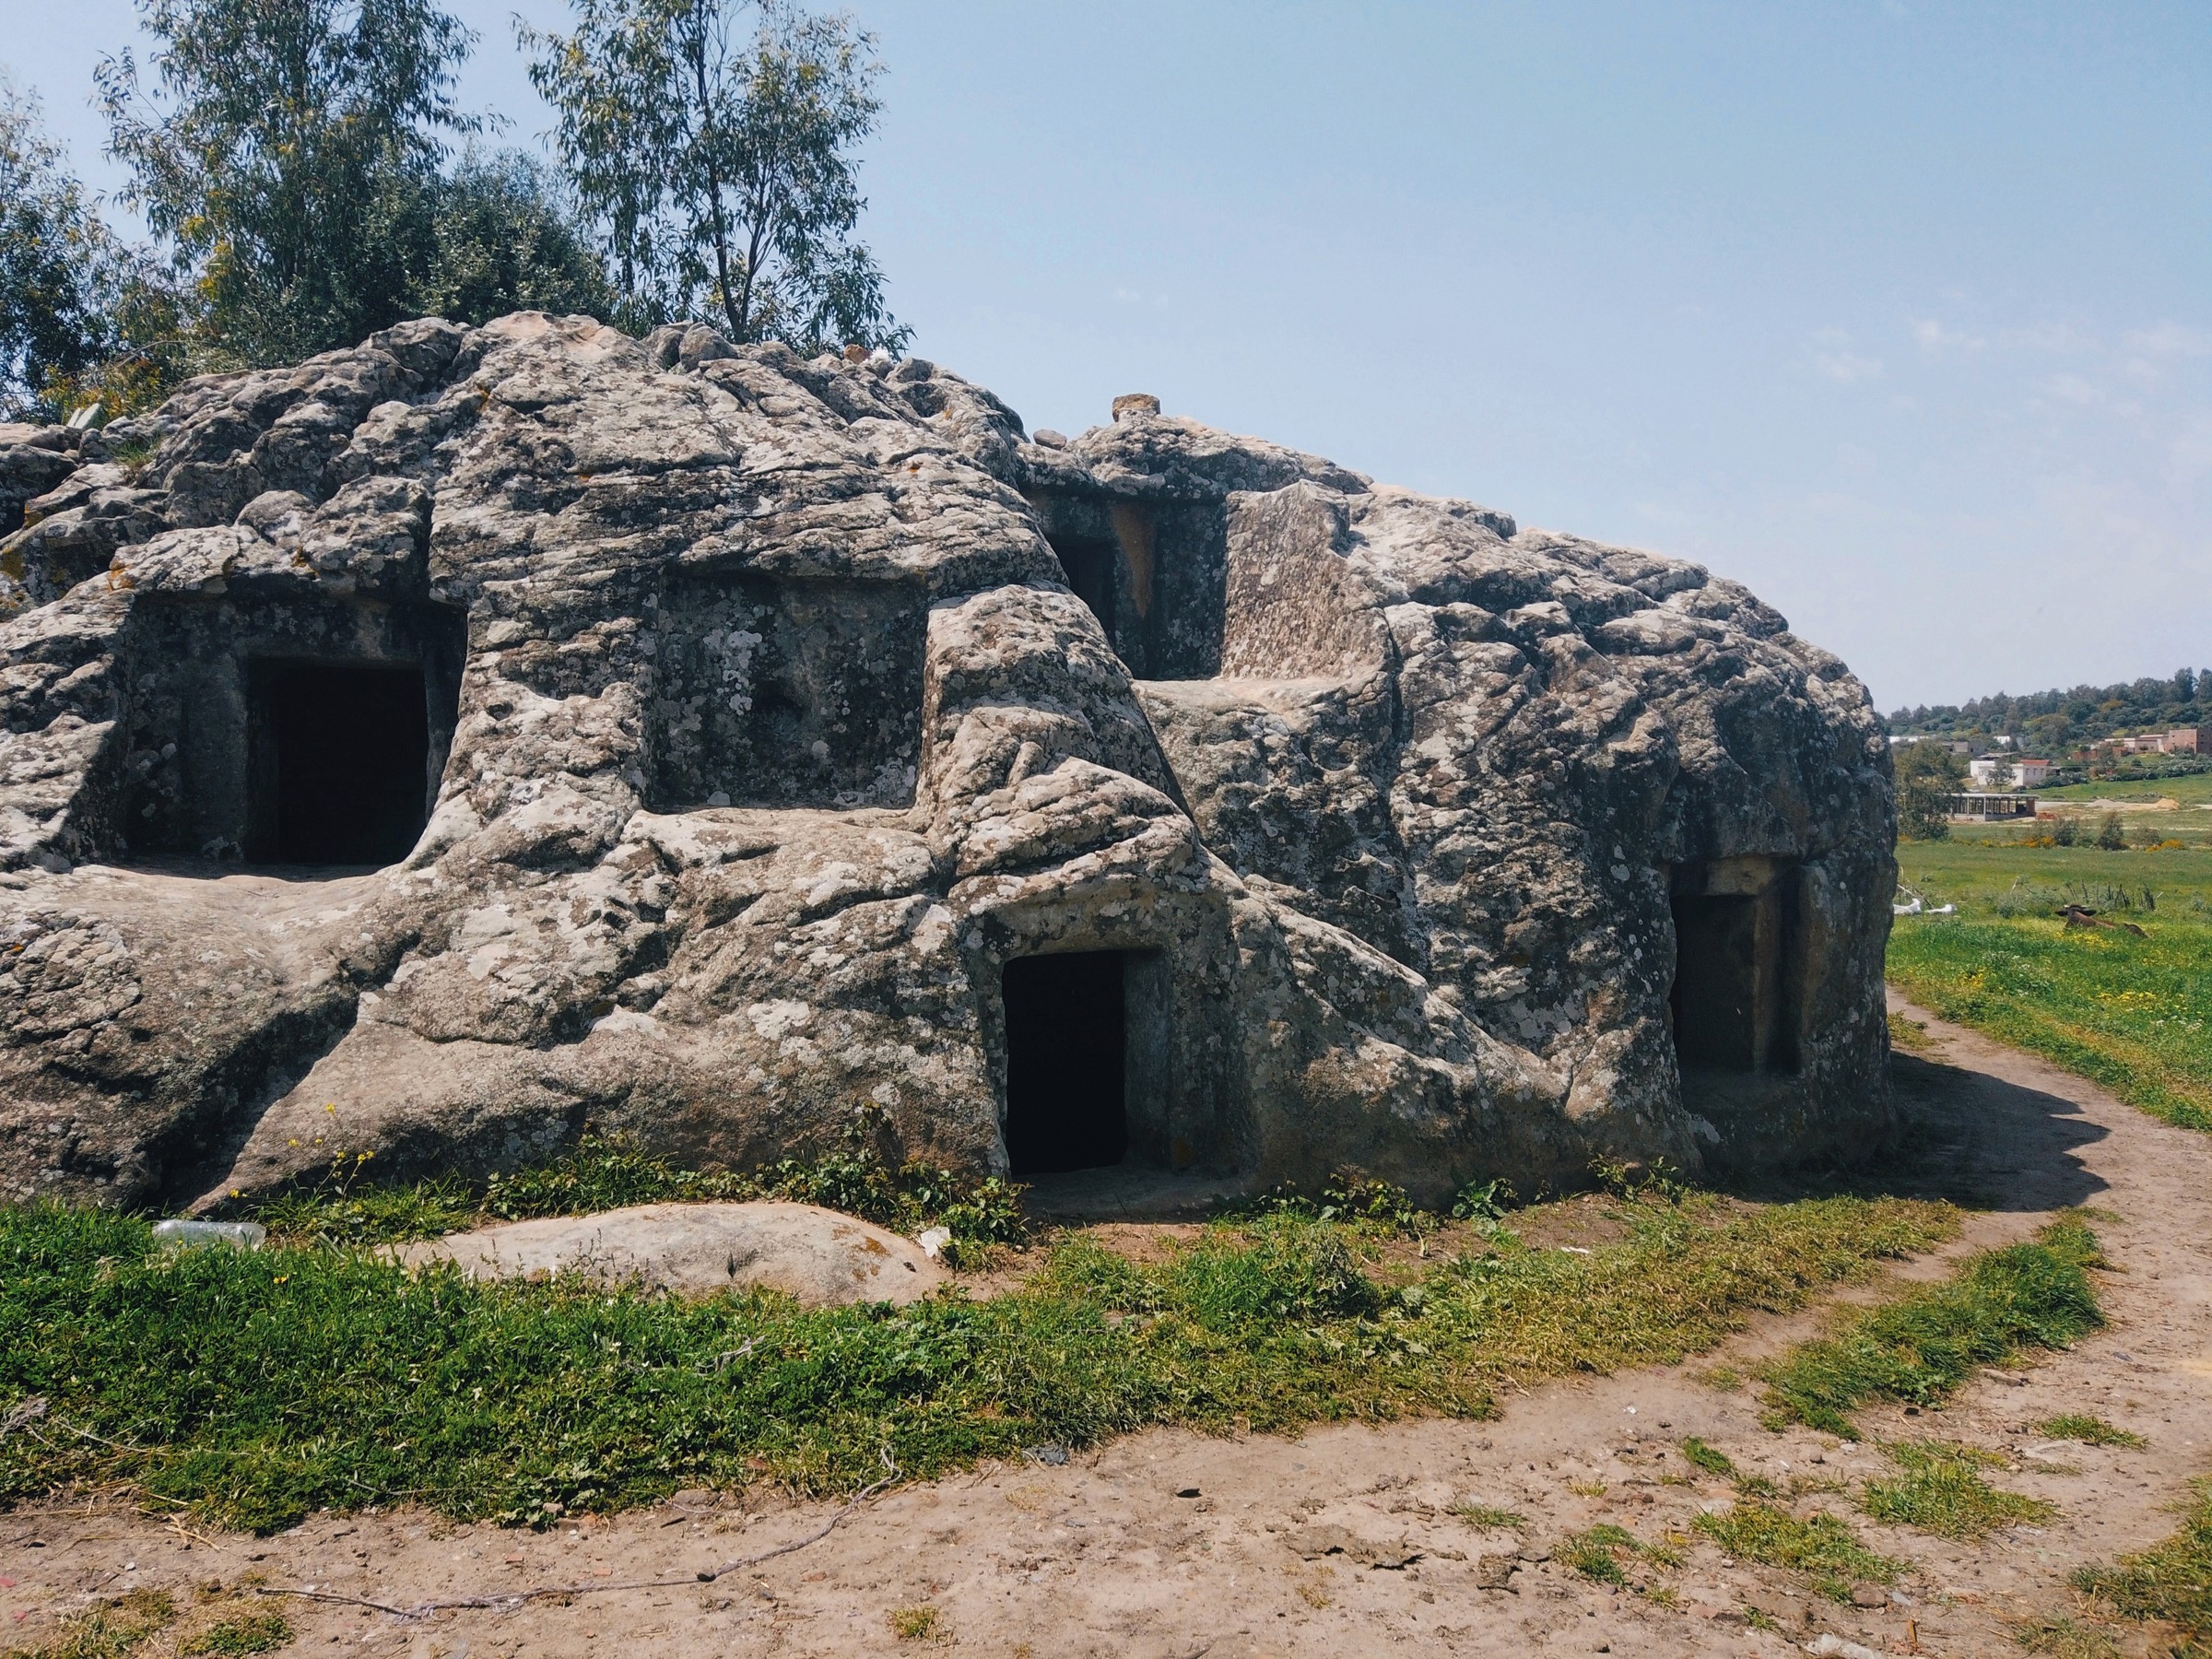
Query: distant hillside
[2057,723]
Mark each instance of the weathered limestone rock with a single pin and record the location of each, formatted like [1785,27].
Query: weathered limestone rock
[816,1254]
[435,746]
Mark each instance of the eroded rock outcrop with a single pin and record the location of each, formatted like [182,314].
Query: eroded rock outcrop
[730,740]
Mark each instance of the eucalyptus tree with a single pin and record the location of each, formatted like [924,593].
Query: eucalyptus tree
[290,153]
[714,143]
[64,276]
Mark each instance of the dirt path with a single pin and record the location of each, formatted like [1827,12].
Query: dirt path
[1169,1544]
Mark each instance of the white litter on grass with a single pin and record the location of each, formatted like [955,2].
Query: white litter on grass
[933,1242]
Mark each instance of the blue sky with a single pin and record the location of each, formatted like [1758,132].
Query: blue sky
[1900,313]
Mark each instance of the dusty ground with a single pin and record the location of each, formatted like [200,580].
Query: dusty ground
[1169,1544]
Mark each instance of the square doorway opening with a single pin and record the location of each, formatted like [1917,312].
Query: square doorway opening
[1090,564]
[338,762]
[1716,995]
[1067,1061]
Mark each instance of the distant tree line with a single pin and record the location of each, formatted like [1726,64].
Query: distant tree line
[309,177]
[2058,723]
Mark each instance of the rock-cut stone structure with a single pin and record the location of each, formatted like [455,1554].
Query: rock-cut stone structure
[441,745]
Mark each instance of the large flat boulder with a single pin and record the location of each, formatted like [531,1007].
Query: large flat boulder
[821,1257]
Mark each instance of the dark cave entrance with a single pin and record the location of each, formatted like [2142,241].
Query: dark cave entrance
[338,762]
[1067,1061]
[1715,994]
[1735,996]
[1090,563]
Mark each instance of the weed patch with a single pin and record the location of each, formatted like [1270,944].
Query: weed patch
[2088,1431]
[108,1629]
[1920,1347]
[2169,1583]
[1821,1546]
[1940,1490]
[1482,1515]
[232,1638]
[1709,1458]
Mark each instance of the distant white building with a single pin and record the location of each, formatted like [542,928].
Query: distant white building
[2001,771]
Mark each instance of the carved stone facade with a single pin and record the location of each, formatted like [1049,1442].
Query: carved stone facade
[447,743]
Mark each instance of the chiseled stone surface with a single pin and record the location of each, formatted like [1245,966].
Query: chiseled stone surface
[766,726]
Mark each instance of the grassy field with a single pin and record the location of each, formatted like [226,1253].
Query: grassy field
[2192,791]
[2132,1013]
[254,1387]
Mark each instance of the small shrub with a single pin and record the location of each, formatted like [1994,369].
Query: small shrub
[2110,837]
[2089,1430]
[1941,1490]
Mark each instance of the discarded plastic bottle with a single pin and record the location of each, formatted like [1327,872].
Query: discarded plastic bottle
[198,1235]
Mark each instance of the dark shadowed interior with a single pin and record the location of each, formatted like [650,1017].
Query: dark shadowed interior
[1716,995]
[339,756]
[1089,562]
[1066,1044]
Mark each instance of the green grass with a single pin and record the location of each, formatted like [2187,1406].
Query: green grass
[1920,1347]
[604,1172]
[1598,1553]
[2194,789]
[2089,1430]
[257,1386]
[1939,1489]
[108,1629]
[2134,1015]
[2170,1584]
[1819,1546]
[232,1638]
[1711,1459]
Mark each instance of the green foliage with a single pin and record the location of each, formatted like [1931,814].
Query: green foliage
[1820,1546]
[501,237]
[257,1386]
[2170,1583]
[1711,1459]
[1928,775]
[290,159]
[1348,1198]
[721,171]
[1940,1490]
[2089,1430]
[2134,1015]
[1920,1347]
[2054,722]
[107,1629]
[253,1633]
[76,304]
[1596,1553]
[2110,837]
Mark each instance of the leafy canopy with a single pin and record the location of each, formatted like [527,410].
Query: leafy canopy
[73,297]
[290,159]
[720,170]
